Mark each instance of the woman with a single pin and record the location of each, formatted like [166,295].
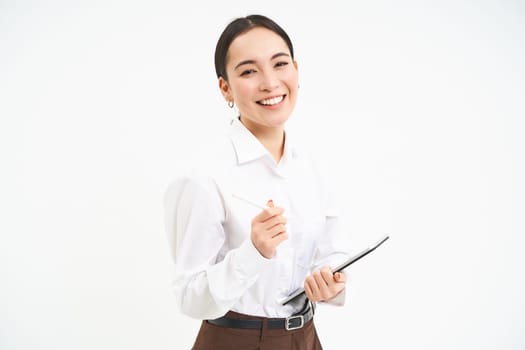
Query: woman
[258,222]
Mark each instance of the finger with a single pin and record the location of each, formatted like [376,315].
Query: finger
[268,213]
[309,292]
[277,231]
[327,275]
[270,204]
[275,220]
[279,238]
[322,286]
[340,277]
[314,288]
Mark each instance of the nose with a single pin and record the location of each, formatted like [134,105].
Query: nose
[268,81]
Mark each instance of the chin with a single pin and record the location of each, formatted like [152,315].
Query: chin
[278,118]
[278,121]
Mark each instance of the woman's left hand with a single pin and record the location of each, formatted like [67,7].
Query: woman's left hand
[323,285]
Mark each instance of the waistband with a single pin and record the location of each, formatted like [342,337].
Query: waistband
[296,321]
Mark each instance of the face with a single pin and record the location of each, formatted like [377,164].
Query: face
[262,79]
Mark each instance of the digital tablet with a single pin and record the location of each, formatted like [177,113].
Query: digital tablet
[339,268]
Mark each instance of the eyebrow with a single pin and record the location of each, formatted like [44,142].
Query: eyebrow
[279,54]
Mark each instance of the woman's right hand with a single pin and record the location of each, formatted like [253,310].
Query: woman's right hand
[269,230]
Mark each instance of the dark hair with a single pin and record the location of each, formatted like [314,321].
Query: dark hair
[239,26]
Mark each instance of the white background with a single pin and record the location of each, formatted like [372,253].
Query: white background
[419,106]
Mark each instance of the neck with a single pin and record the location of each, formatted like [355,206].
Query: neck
[274,143]
[272,138]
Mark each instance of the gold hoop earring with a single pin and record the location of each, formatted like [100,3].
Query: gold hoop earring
[230,104]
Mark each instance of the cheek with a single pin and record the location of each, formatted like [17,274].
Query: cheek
[292,80]
[243,90]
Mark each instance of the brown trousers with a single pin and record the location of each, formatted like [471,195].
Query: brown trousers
[212,337]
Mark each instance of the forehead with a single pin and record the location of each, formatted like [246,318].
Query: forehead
[256,44]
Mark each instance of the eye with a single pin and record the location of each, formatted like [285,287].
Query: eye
[247,72]
[281,64]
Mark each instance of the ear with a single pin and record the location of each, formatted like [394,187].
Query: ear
[225,89]
[296,69]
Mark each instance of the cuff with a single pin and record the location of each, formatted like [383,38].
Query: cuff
[248,259]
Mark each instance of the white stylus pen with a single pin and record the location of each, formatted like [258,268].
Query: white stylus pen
[262,207]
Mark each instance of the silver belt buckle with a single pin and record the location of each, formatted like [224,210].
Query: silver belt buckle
[290,319]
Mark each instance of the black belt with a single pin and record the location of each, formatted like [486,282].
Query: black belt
[289,323]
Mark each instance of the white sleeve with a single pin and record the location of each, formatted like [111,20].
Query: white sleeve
[205,288]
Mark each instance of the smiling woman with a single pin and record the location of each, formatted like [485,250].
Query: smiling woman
[235,258]
[261,78]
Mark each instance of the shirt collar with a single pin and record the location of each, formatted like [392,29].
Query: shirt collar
[248,147]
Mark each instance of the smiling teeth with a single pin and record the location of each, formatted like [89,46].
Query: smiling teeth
[272,101]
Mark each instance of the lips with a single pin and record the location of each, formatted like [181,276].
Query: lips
[272,101]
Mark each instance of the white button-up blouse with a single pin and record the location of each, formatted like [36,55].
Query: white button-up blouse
[217,267]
